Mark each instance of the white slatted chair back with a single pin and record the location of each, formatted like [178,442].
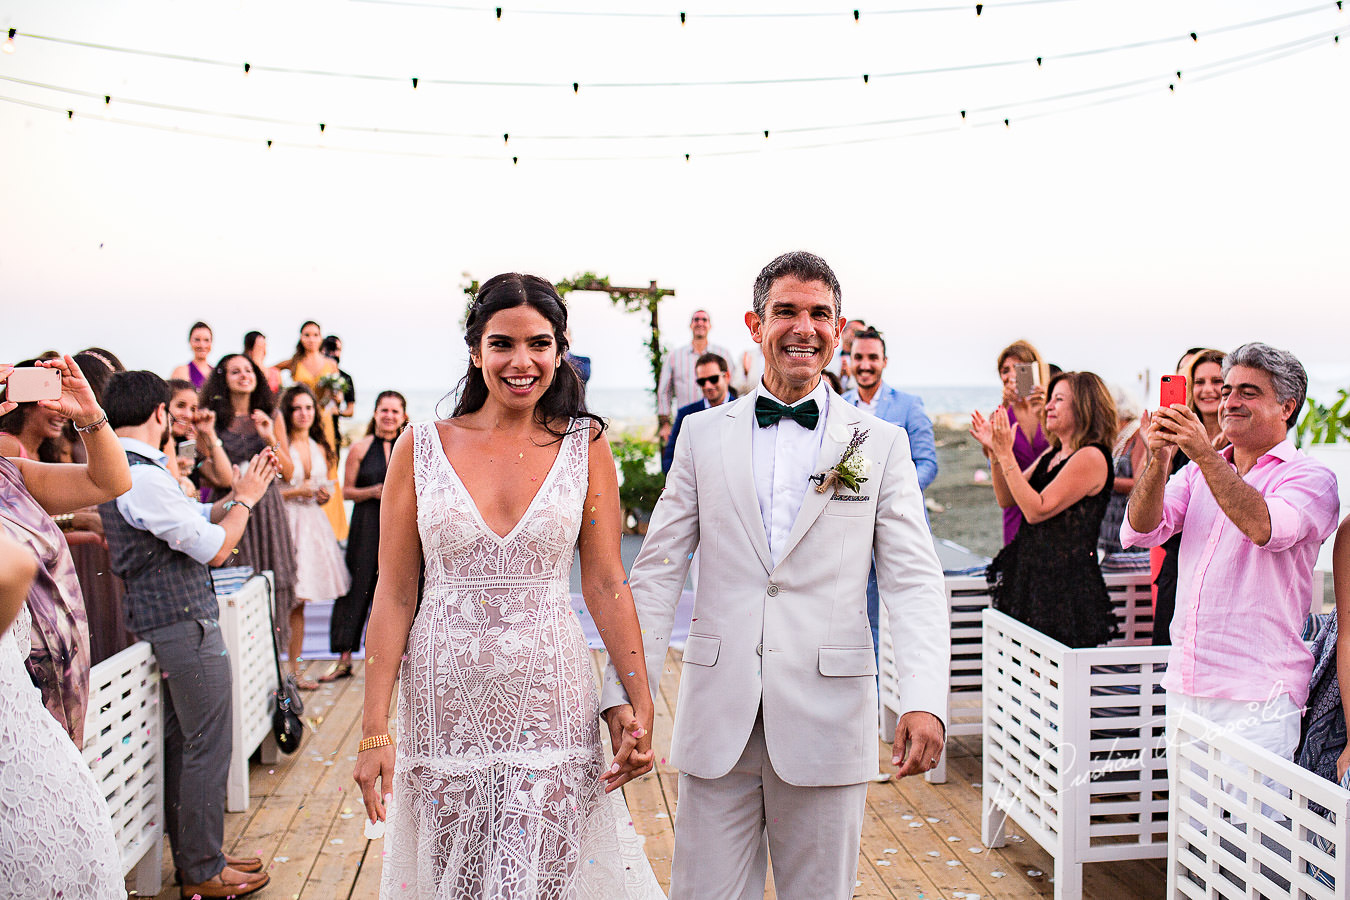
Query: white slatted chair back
[123,747]
[1073,748]
[1240,822]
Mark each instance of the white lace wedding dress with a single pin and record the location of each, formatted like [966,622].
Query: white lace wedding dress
[56,837]
[496,784]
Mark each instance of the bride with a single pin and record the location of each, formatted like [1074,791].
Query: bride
[498,786]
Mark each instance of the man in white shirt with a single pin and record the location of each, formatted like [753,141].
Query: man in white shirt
[677,388]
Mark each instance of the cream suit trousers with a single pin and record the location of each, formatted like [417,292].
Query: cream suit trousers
[721,823]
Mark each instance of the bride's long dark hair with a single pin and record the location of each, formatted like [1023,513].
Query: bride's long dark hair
[565,399]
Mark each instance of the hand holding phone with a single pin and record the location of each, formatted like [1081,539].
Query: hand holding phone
[31,384]
[1027,376]
[1172,391]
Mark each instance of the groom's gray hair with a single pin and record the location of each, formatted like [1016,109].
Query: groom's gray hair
[801,265]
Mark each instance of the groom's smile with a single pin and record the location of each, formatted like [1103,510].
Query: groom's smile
[798,335]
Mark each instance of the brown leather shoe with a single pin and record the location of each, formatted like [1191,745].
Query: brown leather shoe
[218,887]
[244,863]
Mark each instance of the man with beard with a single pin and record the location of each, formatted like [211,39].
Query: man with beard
[867,361]
[161,544]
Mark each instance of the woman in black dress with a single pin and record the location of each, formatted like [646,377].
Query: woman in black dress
[1048,577]
[363,483]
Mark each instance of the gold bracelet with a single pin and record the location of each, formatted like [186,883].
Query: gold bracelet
[370,743]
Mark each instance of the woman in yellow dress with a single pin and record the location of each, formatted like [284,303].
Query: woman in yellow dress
[310,367]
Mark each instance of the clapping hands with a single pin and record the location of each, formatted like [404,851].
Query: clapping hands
[994,434]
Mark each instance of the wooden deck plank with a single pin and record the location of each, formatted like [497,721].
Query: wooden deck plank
[303,803]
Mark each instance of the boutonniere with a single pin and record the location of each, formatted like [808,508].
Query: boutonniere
[852,469]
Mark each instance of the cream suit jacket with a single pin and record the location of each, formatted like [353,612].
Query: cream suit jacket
[792,637]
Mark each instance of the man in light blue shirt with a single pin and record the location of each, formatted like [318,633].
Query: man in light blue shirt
[161,543]
[867,361]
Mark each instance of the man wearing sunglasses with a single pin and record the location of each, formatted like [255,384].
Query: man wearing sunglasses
[710,374]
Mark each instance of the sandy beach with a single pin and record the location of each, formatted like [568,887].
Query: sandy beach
[960,509]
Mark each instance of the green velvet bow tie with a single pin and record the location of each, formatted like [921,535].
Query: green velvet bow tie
[769,411]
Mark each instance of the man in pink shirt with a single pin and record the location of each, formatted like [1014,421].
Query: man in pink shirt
[1255,515]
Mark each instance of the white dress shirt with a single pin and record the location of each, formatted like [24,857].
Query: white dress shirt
[785,458]
[158,505]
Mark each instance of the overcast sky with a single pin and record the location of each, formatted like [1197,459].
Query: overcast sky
[1112,234]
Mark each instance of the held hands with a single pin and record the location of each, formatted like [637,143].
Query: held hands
[630,735]
[919,741]
[321,493]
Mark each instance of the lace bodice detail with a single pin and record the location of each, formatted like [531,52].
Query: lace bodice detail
[496,790]
[56,837]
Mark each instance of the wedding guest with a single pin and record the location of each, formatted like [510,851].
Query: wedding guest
[197,369]
[255,348]
[1048,576]
[1207,364]
[714,381]
[247,422]
[344,402]
[676,388]
[309,366]
[31,430]
[161,544]
[107,357]
[581,363]
[1025,414]
[208,464]
[1256,513]
[31,493]
[367,463]
[1127,459]
[1340,578]
[866,364]
[841,366]
[320,572]
[56,835]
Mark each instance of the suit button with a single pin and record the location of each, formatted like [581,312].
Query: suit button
[760,650]
[773,590]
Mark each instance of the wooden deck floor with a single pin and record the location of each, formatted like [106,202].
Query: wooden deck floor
[305,819]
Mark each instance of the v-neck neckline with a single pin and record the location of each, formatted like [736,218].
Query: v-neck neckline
[502,539]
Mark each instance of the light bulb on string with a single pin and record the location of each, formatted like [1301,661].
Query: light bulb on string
[8,46]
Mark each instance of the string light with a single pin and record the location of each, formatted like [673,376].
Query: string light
[576,87]
[1150,85]
[628,14]
[8,46]
[1305,42]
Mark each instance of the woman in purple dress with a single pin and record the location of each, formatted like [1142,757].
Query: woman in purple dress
[1025,414]
[197,369]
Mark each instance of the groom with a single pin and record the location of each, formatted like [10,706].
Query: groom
[775,728]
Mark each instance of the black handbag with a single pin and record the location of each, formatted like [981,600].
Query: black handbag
[287,727]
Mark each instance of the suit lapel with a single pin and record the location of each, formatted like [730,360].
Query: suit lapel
[739,455]
[839,425]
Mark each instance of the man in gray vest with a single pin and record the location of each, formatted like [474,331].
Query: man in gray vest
[161,543]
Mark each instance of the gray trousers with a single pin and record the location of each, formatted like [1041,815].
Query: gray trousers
[197,736]
[724,826]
